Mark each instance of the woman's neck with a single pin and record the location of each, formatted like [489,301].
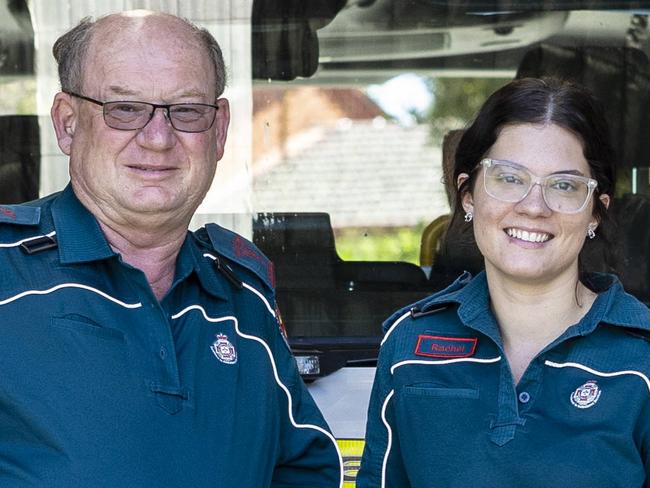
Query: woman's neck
[533,315]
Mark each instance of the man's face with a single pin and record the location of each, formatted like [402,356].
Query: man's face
[155,171]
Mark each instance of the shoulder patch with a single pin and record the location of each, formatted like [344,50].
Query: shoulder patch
[20,214]
[237,249]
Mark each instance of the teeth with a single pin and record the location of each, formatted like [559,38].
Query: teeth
[528,236]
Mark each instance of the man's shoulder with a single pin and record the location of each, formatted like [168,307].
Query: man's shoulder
[237,251]
[25,220]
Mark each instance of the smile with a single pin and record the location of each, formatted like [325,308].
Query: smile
[524,235]
[150,168]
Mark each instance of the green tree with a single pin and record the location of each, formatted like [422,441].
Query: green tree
[456,101]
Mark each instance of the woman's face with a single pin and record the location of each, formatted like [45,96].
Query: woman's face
[527,241]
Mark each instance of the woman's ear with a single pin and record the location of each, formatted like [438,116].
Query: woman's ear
[604,198]
[466,197]
[64,118]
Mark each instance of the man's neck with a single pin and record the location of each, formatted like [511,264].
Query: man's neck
[154,253]
[149,241]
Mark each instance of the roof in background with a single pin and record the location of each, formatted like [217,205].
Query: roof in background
[368,173]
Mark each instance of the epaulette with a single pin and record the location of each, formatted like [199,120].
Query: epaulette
[431,304]
[241,251]
[639,333]
[20,215]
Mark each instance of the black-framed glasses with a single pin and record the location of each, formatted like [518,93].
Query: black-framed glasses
[133,115]
[512,182]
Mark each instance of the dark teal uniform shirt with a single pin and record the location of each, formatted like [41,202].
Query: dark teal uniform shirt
[445,413]
[103,386]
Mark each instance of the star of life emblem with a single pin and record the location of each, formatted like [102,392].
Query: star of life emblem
[586,395]
[223,349]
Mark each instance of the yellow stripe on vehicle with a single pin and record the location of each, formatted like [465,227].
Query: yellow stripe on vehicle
[351,450]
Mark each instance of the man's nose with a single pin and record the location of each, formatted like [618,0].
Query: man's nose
[159,132]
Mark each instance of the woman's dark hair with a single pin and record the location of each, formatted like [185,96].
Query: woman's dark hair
[543,101]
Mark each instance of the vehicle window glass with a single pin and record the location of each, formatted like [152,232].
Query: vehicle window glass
[345,115]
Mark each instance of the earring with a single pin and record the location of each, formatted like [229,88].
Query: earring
[469,216]
[591,233]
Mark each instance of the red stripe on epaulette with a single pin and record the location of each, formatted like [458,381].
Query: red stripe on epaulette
[8,212]
[272,278]
[445,347]
[243,248]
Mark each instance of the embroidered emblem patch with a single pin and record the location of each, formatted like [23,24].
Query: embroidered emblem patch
[445,347]
[223,350]
[586,395]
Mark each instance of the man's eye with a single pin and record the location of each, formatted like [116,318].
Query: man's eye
[187,112]
[186,109]
[127,108]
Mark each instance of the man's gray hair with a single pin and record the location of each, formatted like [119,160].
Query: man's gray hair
[70,52]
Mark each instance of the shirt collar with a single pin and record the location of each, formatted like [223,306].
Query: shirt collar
[210,279]
[612,306]
[475,310]
[77,231]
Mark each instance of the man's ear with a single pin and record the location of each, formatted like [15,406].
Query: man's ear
[466,198]
[64,118]
[221,125]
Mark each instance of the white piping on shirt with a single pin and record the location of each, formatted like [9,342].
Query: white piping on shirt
[70,285]
[395,324]
[389,442]
[444,361]
[247,286]
[15,244]
[392,392]
[273,366]
[599,373]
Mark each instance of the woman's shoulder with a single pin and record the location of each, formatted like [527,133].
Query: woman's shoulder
[621,340]
[619,307]
[440,309]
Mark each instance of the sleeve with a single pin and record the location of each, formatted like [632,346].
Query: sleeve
[644,441]
[381,463]
[309,455]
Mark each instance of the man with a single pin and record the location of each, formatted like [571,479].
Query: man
[134,353]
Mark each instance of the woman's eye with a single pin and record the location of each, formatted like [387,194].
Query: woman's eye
[564,185]
[510,179]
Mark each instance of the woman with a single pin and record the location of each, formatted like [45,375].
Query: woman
[534,373]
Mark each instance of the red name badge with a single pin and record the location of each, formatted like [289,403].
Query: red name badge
[445,347]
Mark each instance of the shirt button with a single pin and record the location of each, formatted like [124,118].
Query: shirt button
[163,352]
[524,397]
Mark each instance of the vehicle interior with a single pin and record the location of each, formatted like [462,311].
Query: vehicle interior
[334,307]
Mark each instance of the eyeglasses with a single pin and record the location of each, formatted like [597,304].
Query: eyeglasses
[133,115]
[511,182]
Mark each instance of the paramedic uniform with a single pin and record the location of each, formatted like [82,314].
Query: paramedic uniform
[445,413]
[104,386]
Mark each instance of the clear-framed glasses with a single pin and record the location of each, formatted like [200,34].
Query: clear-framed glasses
[511,182]
[133,115]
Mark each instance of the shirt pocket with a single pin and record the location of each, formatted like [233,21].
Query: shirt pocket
[436,422]
[85,327]
[432,391]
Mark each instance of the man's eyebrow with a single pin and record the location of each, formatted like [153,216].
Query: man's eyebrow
[123,91]
[120,90]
